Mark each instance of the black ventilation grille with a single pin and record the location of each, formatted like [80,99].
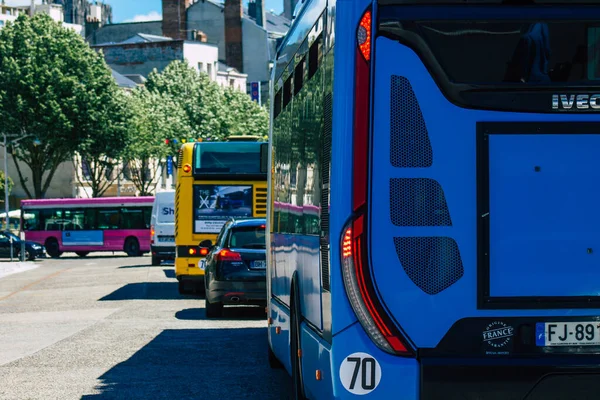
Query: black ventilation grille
[325,175]
[432,263]
[180,158]
[261,201]
[410,146]
[418,202]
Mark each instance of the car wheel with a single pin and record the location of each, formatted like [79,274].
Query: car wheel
[132,247]
[52,248]
[213,310]
[28,255]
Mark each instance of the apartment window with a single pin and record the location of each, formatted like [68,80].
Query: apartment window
[200,67]
[231,82]
[209,70]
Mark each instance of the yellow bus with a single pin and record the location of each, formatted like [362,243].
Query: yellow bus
[215,181]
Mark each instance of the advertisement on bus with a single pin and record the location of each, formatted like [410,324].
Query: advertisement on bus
[214,204]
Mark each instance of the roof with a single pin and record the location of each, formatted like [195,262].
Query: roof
[137,78]
[145,38]
[237,222]
[122,81]
[277,24]
[226,68]
[82,202]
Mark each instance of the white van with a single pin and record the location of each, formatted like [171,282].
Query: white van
[162,241]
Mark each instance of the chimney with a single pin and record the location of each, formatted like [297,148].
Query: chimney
[174,23]
[261,19]
[234,56]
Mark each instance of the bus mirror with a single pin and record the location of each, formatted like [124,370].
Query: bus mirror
[206,244]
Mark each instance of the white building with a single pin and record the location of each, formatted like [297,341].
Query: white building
[11,9]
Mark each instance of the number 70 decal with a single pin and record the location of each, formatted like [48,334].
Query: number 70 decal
[360,373]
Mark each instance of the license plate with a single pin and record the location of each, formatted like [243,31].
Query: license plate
[259,264]
[568,333]
[169,239]
[202,264]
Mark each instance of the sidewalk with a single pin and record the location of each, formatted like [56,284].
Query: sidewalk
[10,268]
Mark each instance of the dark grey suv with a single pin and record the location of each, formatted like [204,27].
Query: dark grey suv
[235,271]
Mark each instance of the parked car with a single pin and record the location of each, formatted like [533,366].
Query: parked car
[33,250]
[235,267]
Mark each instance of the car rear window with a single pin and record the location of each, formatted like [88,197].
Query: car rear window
[248,237]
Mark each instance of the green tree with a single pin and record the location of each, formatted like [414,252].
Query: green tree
[155,117]
[244,116]
[99,155]
[54,88]
[201,99]
[11,184]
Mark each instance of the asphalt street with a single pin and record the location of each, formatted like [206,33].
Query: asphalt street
[116,328]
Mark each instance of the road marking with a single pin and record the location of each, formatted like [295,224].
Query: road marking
[35,283]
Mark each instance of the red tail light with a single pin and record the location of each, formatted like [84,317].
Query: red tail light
[361,111]
[358,282]
[203,251]
[152,232]
[193,251]
[228,255]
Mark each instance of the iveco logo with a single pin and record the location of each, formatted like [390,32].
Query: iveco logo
[564,102]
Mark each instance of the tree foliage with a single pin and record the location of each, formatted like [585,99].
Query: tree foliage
[99,155]
[53,88]
[212,113]
[155,117]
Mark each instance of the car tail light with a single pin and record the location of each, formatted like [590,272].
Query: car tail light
[228,255]
[356,272]
[152,232]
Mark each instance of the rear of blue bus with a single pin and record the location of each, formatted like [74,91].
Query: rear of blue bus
[470,256]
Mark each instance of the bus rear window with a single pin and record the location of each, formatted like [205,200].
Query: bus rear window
[228,158]
[500,52]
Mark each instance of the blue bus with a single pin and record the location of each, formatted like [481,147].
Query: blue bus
[452,150]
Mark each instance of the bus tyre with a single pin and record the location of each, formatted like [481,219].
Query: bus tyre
[274,363]
[297,382]
[132,247]
[52,248]
[213,310]
[82,253]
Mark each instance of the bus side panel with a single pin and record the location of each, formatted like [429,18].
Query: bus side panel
[308,263]
[347,17]
[280,342]
[284,259]
[316,356]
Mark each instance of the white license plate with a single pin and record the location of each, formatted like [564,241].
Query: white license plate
[168,239]
[259,264]
[202,264]
[567,333]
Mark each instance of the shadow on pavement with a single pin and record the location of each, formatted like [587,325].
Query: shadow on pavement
[169,273]
[197,364]
[149,291]
[229,313]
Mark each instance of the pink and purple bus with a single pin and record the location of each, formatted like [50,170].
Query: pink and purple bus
[84,225]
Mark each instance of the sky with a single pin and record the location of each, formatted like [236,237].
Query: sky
[151,10]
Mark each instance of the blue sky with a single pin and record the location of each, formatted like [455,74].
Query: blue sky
[150,10]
